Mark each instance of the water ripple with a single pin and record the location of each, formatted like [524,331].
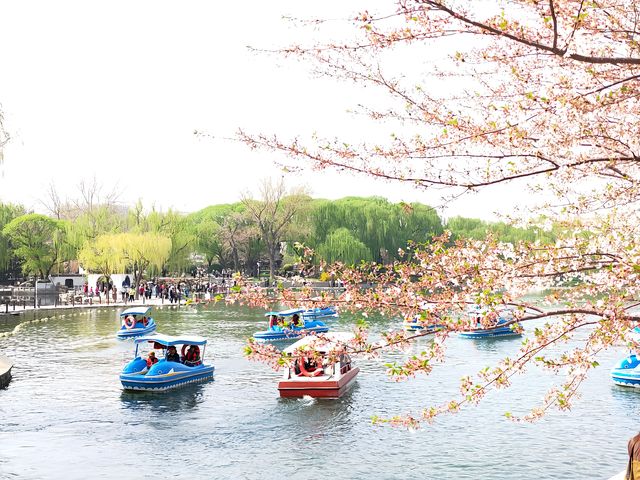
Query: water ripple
[66,398]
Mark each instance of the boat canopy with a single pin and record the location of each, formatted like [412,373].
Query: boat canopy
[286,313]
[500,310]
[141,310]
[168,340]
[320,344]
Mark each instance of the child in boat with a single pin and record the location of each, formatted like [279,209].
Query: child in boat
[295,320]
[151,359]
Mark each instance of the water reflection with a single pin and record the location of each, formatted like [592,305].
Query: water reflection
[184,398]
[626,399]
[492,344]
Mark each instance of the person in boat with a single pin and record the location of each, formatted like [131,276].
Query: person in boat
[151,359]
[172,354]
[192,357]
[633,468]
[308,367]
[273,321]
[145,321]
[295,320]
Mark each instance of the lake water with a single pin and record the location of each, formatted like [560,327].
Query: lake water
[65,415]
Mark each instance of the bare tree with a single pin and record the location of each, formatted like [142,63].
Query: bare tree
[273,214]
[4,135]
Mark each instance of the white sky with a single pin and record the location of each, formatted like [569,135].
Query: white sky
[116,89]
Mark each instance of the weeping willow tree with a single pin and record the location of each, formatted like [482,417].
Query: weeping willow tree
[104,255]
[38,242]
[382,227]
[144,251]
[473,228]
[8,212]
[136,252]
[88,225]
[342,246]
[171,224]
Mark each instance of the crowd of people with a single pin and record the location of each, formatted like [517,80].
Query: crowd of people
[172,291]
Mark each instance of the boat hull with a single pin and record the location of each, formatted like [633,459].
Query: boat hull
[5,371]
[287,334]
[626,380]
[124,332]
[318,387]
[166,381]
[494,333]
[626,373]
[416,327]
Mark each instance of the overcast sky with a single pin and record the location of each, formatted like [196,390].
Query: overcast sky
[116,90]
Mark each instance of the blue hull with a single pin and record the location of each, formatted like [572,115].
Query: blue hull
[150,382]
[287,334]
[626,372]
[124,332]
[626,381]
[414,327]
[498,332]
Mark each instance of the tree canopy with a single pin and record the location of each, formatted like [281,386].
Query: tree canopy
[8,212]
[37,240]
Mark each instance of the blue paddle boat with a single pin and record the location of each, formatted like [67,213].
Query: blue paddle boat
[320,313]
[475,317]
[136,321]
[289,324]
[415,324]
[627,372]
[169,369]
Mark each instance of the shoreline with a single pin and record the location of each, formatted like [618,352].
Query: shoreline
[17,311]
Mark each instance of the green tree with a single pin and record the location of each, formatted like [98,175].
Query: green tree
[342,246]
[134,251]
[8,212]
[208,242]
[381,226]
[37,240]
[103,255]
[472,228]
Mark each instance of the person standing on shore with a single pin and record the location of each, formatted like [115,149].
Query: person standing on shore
[633,469]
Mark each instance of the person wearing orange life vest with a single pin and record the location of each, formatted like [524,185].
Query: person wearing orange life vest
[192,357]
[151,359]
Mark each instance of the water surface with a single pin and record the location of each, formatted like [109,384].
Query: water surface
[65,415]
